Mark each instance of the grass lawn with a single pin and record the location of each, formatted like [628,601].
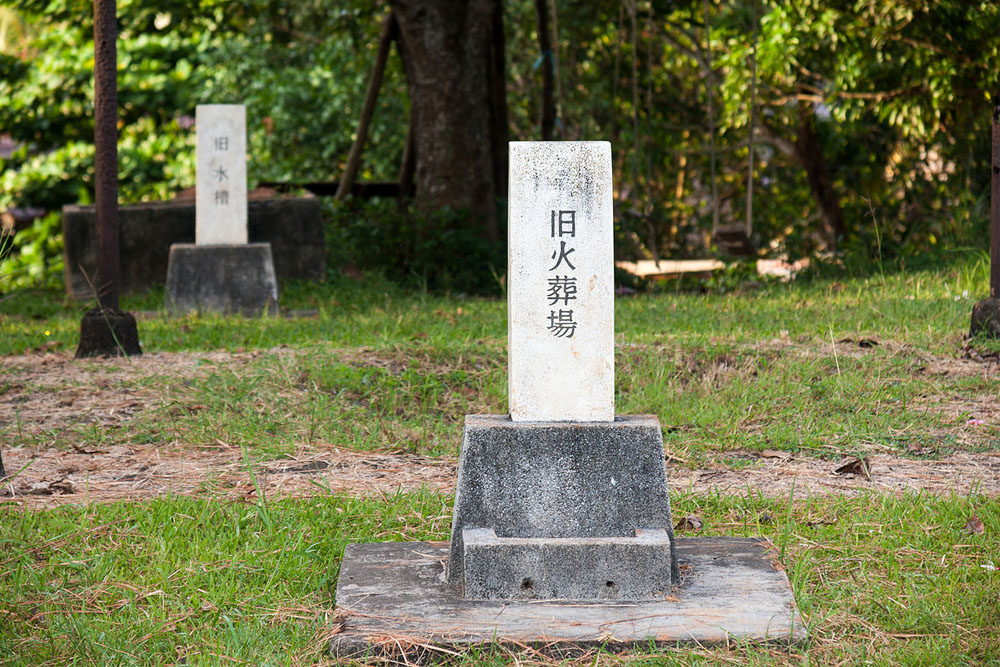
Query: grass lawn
[815,371]
[882,578]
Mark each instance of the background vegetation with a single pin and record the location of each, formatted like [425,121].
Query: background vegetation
[877,113]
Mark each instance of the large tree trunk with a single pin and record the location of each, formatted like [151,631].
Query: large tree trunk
[454,55]
[548,66]
[806,150]
[810,155]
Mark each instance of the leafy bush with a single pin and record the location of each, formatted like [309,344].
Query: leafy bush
[440,251]
[35,260]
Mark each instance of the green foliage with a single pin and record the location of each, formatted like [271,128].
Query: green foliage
[301,72]
[899,93]
[298,71]
[36,259]
[432,251]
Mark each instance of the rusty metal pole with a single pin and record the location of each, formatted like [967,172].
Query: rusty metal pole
[105,330]
[995,209]
[106,150]
[986,313]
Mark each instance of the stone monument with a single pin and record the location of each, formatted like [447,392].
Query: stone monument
[560,499]
[221,271]
[561,533]
[560,273]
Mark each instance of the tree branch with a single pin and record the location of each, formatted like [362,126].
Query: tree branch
[389,29]
[689,51]
[772,136]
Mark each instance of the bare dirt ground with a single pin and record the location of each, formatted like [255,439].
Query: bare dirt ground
[54,477]
[50,474]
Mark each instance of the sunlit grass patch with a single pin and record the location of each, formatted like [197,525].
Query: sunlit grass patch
[884,578]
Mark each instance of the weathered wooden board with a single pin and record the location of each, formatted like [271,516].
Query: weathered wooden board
[666,268]
[393,598]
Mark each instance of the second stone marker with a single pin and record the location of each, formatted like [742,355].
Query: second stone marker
[220,271]
[221,206]
[560,294]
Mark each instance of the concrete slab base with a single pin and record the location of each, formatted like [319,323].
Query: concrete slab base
[393,600]
[229,279]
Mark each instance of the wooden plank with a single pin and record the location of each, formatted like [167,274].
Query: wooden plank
[393,599]
[648,268]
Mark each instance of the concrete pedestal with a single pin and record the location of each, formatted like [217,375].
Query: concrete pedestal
[567,568]
[568,481]
[108,333]
[228,279]
[561,540]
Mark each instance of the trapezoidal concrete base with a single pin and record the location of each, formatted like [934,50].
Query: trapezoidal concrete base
[234,279]
[393,600]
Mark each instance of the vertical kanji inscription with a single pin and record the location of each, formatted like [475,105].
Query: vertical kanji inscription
[560,292]
[221,198]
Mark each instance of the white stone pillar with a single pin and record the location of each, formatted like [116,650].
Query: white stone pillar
[221,192]
[560,291]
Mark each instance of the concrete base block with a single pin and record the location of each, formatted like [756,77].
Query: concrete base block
[394,601]
[293,227]
[986,318]
[108,333]
[561,480]
[229,279]
[567,568]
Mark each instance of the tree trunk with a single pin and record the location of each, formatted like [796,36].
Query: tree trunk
[810,155]
[454,55]
[547,63]
[748,223]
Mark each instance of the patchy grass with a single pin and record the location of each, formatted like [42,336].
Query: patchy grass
[824,368]
[819,400]
[928,309]
[887,579]
[827,399]
[179,579]
[346,313]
